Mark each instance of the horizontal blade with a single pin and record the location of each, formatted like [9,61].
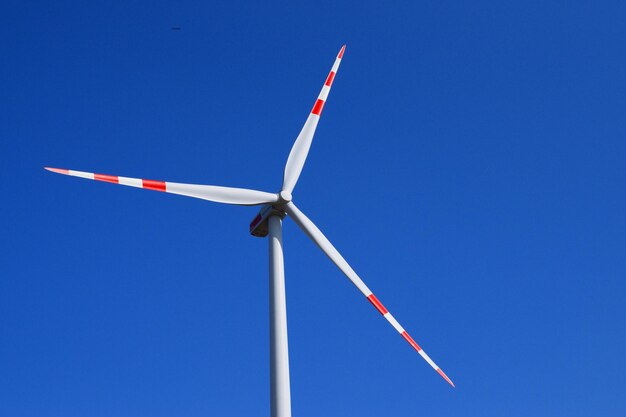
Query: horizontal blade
[301,147]
[239,196]
[318,237]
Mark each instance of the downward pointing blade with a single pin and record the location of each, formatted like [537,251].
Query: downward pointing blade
[301,147]
[324,244]
[227,195]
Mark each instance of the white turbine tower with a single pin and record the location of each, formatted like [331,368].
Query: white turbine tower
[269,222]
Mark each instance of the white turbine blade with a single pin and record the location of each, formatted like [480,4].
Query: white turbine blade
[300,148]
[318,237]
[239,196]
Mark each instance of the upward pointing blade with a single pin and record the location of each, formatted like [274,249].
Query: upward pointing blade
[227,195]
[301,147]
[324,244]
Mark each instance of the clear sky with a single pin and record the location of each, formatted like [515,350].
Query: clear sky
[469,164]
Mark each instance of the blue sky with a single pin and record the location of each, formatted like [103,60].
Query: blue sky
[469,165]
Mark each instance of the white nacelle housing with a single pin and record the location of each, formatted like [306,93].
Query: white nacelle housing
[259,226]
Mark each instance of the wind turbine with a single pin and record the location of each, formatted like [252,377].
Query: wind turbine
[269,222]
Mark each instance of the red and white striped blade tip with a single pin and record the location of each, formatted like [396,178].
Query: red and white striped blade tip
[444,376]
[343,48]
[57,170]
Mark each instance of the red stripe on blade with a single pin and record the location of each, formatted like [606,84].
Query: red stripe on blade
[106,178]
[58,170]
[444,376]
[379,306]
[343,48]
[329,80]
[153,185]
[411,341]
[319,105]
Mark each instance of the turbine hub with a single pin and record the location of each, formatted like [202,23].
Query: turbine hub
[285,196]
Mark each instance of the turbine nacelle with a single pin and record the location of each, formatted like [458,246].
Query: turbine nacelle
[259,226]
